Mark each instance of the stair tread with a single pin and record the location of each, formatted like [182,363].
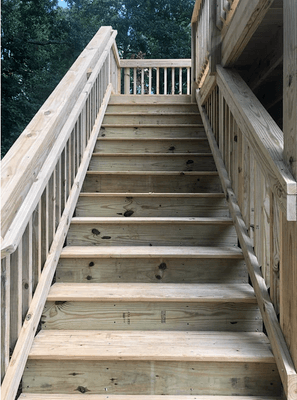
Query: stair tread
[158,139]
[145,292]
[29,396]
[172,173]
[242,347]
[170,195]
[152,114]
[164,125]
[150,252]
[152,154]
[153,220]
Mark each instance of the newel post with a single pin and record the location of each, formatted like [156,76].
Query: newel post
[288,270]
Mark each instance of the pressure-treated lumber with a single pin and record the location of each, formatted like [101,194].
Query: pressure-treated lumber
[146,292]
[246,19]
[283,359]
[144,345]
[32,396]
[152,181]
[152,108]
[110,131]
[290,85]
[152,119]
[156,99]
[152,162]
[135,63]
[152,145]
[151,205]
[149,252]
[141,231]
[263,135]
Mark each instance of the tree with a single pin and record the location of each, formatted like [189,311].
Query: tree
[40,41]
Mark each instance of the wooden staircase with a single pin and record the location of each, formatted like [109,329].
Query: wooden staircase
[151,299]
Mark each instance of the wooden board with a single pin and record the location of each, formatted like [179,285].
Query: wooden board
[152,119]
[151,145]
[227,347]
[156,182]
[151,232]
[156,99]
[152,162]
[151,205]
[32,396]
[145,108]
[109,131]
[147,378]
[128,316]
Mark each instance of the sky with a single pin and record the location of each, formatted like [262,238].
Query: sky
[62,3]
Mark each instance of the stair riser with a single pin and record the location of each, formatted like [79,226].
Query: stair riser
[156,99]
[118,183]
[154,146]
[94,234]
[114,206]
[172,316]
[152,108]
[151,377]
[153,120]
[152,270]
[155,132]
[152,163]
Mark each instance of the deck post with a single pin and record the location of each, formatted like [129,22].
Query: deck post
[288,271]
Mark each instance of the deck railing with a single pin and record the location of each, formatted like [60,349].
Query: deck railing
[154,77]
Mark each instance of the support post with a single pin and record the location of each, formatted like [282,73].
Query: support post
[288,267]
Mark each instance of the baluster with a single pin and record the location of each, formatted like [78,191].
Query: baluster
[188,81]
[158,80]
[142,80]
[15,295]
[27,269]
[150,80]
[5,313]
[172,80]
[134,80]
[165,80]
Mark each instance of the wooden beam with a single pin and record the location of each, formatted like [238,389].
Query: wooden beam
[246,20]
[290,85]
[215,39]
[268,61]
[280,350]
[264,136]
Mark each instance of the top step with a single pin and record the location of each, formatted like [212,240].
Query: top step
[147,99]
[39,396]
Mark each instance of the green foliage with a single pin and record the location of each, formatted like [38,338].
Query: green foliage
[40,41]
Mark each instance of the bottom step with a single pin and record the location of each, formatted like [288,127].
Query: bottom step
[28,396]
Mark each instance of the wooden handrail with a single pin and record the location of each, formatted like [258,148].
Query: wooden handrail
[155,63]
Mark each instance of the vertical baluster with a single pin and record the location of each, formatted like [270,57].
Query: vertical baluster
[172,80]
[5,313]
[240,168]
[58,189]
[36,265]
[15,295]
[134,80]
[47,221]
[73,145]
[165,80]
[180,91]
[252,197]
[69,156]
[265,230]
[150,80]
[51,209]
[142,81]
[246,182]
[158,80]
[221,123]
[42,230]
[27,269]
[188,81]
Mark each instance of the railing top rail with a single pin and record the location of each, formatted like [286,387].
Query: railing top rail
[151,63]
